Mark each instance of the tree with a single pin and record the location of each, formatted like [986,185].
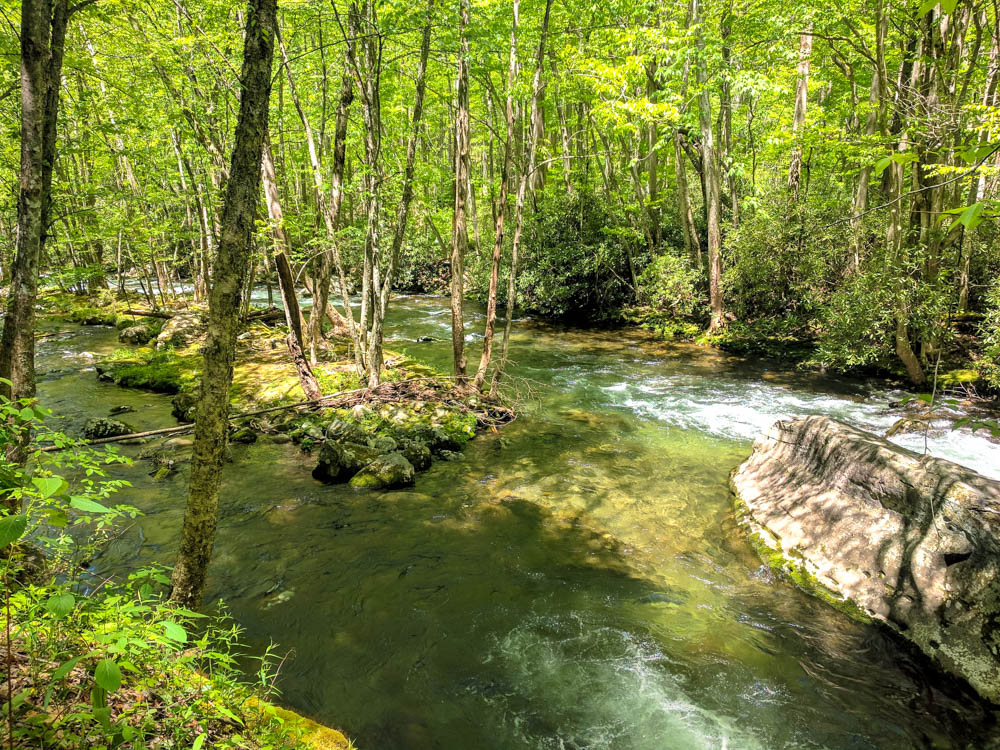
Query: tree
[232,264]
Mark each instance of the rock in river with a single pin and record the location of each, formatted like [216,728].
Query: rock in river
[102,427]
[385,472]
[911,541]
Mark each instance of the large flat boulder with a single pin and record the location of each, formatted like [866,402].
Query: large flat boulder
[908,540]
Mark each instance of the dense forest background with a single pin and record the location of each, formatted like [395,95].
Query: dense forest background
[810,177]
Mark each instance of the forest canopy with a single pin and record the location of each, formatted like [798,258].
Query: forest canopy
[817,173]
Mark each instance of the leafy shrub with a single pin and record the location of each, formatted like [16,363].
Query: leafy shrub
[990,362]
[574,259]
[670,284]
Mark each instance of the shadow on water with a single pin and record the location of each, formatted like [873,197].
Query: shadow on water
[575,581]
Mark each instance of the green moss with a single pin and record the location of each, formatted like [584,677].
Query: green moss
[163,371]
[663,324]
[794,570]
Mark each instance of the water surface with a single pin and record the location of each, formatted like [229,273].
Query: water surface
[575,581]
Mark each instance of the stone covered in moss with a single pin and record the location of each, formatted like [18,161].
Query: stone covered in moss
[385,472]
[102,427]
[139,334]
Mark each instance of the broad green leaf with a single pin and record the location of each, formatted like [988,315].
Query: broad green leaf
[26,414]
[881,164]
[56,517]
[970,218]
[87,505]
[12,528]
[49,486]
[174,632]
[60,605]
[199,741]
[926,7]
[108,675]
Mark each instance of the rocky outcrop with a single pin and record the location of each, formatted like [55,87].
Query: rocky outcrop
[138,335]
[384,472]
[911,541]
[181,330]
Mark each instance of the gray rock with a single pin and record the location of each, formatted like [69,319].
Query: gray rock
[911,541]
[345,432]
[416,453]
[102,427]
[244,435]
[181,330]
[434,438]
[184,404]
[120,410]
[385,472]
[338,462]
[139,334]
[383,444]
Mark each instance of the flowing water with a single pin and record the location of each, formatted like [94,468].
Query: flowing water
[576,581]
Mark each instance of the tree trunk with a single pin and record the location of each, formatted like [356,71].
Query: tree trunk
[799,116]
[43,33]
[459,232]
[501,208]
[710,171]
[231,268]
[534,136]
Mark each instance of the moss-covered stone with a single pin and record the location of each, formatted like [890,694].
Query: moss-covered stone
[385,472]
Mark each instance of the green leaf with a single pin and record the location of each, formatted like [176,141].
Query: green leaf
[925,397]
[87,505]
[60,605]
[174,632]
[926,7]
[49,486]
[26,414]
[56,517]
[66,667]
[971,217]
[108,675]
[881,164]
[199,741]
[948,6]
[12,528]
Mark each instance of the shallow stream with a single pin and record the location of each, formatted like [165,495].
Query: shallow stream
[576,581]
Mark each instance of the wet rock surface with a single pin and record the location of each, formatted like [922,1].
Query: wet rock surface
[908,540]
[103,427]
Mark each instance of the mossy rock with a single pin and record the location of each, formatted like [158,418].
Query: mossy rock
[244,436]
[385,472]
[345,431]
[339,462]
[102,427]
[139,334]
[416,453]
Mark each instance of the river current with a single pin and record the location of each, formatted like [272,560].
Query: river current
[576,581]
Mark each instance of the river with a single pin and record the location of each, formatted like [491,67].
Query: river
[576,581]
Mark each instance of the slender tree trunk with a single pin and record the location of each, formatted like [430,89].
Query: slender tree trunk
[459,232]
[799,116]
[534,137]
[500,211]
[231,268]
[710,171]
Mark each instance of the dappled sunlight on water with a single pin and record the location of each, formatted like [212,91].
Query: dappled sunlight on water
[576,580]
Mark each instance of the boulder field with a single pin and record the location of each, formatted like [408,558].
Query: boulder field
[887,534]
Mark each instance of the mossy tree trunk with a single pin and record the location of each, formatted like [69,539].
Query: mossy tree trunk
[231,268]
[43,33]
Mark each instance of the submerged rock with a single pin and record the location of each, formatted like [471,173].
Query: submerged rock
[911,541]
[385,472]
[102,427]
[123,409]
[183,405]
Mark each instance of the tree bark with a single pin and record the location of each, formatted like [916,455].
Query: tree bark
[799,116]
[231,268]
[501,206]
[534,137]
[710,171]
[43,34]
[459,230]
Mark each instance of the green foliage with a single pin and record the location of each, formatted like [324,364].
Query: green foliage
[669,284]
[989,365]
[788,337]
[574,260]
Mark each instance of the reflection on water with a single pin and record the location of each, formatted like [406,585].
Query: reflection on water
[575,581]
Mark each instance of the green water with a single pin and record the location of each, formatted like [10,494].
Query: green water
[576,581]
